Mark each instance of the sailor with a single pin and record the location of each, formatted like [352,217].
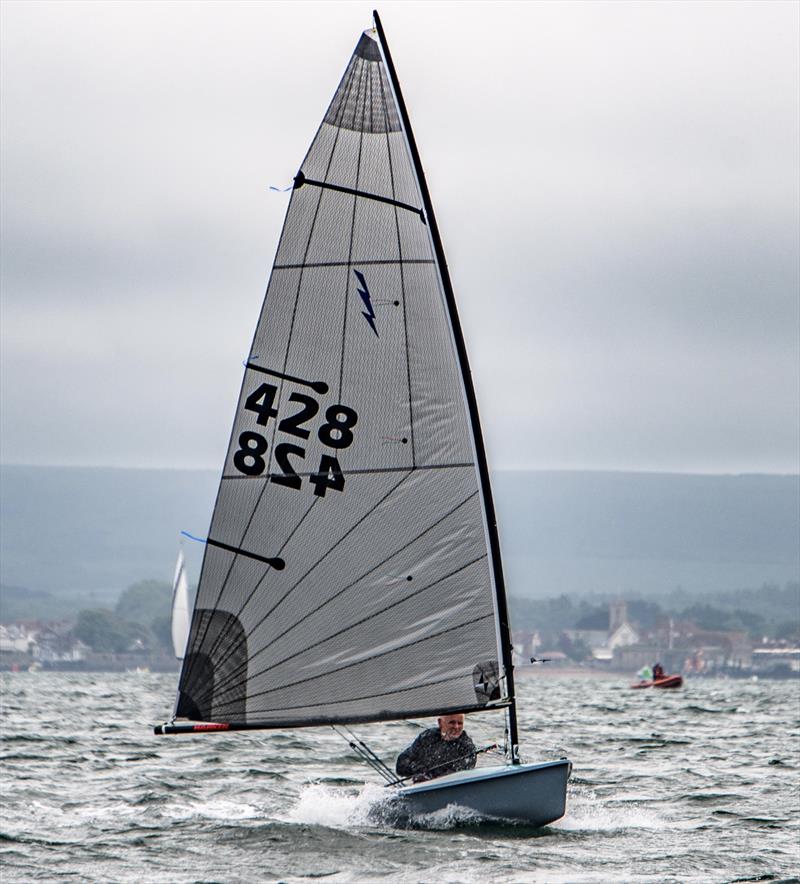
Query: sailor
[440,750]
[658,672]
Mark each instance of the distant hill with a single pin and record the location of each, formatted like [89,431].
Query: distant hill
[92,532]
[581,532]
[95,531]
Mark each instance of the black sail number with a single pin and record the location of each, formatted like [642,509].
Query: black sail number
[336,433]
[262,402]
[328,476]
[288,477]
[293,423]
[249,459]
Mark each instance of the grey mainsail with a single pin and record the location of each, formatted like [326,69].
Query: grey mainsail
[352,570]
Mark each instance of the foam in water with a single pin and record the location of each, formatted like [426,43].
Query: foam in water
[214,810]
[588,813]
[322,805]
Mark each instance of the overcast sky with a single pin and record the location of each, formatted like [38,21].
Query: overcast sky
[616,185]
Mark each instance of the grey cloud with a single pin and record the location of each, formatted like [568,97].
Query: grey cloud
[617,186]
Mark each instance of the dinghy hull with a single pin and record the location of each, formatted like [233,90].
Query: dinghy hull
[669,681]
[533,794]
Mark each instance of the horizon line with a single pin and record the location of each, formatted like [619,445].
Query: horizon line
[652,471]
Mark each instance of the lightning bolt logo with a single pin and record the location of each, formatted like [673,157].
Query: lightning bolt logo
[369,313]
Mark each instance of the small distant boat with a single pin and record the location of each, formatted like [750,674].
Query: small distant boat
[668,681]
[180,608]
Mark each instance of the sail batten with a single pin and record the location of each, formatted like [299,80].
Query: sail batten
[301,180]
[351,576]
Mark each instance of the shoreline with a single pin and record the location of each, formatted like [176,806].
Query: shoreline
[530,671]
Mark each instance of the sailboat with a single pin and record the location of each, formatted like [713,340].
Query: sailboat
[352,570]
[180,608]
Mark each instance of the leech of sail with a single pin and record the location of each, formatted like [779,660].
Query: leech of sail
[317,386]
[277,563]
[469,390]
[300,180]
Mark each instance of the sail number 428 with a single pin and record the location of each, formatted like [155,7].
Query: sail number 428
[336,432]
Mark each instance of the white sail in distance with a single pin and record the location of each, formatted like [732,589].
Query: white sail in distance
[180,608]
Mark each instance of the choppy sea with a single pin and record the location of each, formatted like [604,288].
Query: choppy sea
[700,784]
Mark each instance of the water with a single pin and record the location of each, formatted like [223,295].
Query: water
[694,785]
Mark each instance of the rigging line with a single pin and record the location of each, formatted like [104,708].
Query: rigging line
[300,180]
[364,756]
[221,690]
[414,687]
[402,273]
[235,673]
[224,583]
[370,471]
[211,651]
[364,752]
[376,262]
[366,748]
[243,667]
[353,229]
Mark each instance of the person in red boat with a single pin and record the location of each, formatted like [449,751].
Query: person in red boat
[658,672]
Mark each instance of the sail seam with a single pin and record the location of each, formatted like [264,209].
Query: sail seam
[419,641]
[375,471]
[352,232]
[402,277]
[235,674]
[363,620]
[374,263]
[300,180]
[341,540]
[427,684]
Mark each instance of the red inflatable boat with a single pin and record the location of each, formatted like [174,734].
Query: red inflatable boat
[669,681]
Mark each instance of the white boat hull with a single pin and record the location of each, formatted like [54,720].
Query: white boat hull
[533,794]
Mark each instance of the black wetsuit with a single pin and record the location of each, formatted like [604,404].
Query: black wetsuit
[430,756]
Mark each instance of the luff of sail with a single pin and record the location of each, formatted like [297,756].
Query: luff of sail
[180,608]
[348,572]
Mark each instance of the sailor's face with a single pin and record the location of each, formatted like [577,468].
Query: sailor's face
[451,727]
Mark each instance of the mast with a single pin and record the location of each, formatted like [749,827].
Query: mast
[483,469]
